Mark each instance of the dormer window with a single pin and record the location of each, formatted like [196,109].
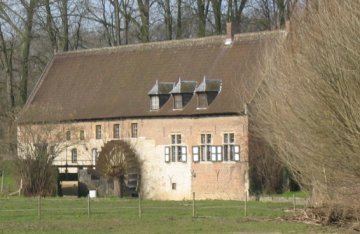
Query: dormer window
[178,104]
[182,93]
[159,94]
[154,103]
[202,100]
[207,92]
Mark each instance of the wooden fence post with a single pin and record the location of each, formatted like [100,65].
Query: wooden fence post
[140,211]
[39,206]
[193,205]
[294,202]
[88,206]
[245,207]
[2,180]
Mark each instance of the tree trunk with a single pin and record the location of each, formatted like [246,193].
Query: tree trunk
[117,186]
[25,53]
[144,8]
[203,8]
[64,18]
[117,22]
[178,21]
[216,5]
[126,12]
[49,26]
[168,19]
[239,8]
[8,56]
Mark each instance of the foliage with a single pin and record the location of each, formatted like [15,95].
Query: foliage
[308,108]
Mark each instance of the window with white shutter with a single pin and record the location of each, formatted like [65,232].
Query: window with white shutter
[195,153]
[167,154]
[183,153]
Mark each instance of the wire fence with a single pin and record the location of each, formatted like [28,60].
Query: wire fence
[137,208]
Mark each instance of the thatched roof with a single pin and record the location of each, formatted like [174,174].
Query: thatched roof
[115,82]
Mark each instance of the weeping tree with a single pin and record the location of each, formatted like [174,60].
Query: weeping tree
[308,109]
[117,159]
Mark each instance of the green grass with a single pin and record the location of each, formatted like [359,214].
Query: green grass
[9,182]
[299,194]
[69,215]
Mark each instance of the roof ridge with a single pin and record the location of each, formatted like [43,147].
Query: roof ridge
[170,43]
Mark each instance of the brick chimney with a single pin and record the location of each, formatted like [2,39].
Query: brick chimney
[231,29]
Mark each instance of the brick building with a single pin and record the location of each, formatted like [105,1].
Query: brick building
[182,104]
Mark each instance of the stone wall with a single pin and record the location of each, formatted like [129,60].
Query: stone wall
[209,180]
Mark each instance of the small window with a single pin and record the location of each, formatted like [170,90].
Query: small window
[154,103]
[231,151]
[205,150]
[173,186]
[94,156]
[178,102]
[202,100]
[68,135]
[134,130]
[98,132]
[216,153]
[82,135]
[116,132]
[176,151]
[74,155]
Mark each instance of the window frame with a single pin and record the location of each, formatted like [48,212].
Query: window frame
[206,140]
[74,155]
[231,151]
[176,151]
[68,135]
[116,131]
[94,155]
[98,131]
[178,102]
[154,102]
[202,101]
[134,130]
[82,135]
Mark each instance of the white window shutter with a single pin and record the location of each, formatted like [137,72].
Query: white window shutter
[183,154]
[213,153]
[237,153]
[219,153]
[195,153]
[167,154]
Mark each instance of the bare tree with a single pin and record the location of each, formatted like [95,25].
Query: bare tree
[202,11]
[22,25]
[7,49]
[144,26]
[217,9]
[38,143]
[308,107]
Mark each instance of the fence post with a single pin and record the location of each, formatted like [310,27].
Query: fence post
[140,211]
[193,205]
[2,180]
[88,205]
[39,206]
[294,202]
[245,207]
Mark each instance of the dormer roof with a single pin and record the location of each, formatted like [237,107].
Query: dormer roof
[161,88]
[184,86]
[209,86]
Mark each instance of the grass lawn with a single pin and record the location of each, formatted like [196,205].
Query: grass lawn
[69,215]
